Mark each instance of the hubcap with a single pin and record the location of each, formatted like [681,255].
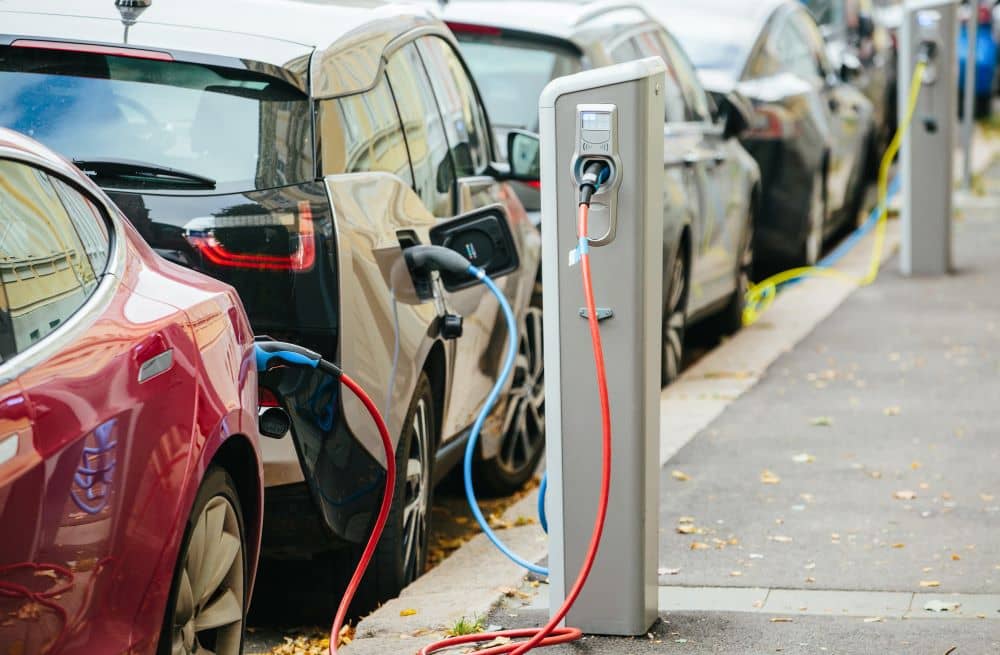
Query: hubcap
[208,616]
[674,324]
[524,432]
[416,493]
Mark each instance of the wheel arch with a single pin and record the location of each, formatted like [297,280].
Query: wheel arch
[436,369]
[238,457]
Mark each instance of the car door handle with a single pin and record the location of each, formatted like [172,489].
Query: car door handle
[718,158]
[691,160]
[154,358]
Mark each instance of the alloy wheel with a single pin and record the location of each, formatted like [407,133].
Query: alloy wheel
[208,613]
[524,432]
[416,493]
[674,324]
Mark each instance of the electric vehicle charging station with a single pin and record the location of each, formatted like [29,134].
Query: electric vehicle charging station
[929,33]
[613,115]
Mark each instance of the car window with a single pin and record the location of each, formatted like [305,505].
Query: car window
[647,44]
[817,44]
[362,133]
[46,273]
[794,50]
[464,119]
[697,101]
[433,172]
[236,127]
[90,224]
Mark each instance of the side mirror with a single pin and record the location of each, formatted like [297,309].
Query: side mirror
[484,238]
[523,153]
[734,113]
[850,67]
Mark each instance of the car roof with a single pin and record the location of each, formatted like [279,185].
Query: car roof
[23,147]
[282,33]
[578,22]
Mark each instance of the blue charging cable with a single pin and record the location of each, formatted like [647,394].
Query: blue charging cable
[477,427]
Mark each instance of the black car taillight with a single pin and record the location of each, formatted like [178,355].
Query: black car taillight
[266,242]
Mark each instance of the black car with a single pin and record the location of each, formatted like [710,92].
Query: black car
[811,131]
[293,150]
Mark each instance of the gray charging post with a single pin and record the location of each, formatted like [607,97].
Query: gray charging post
[927,159]
[614,114]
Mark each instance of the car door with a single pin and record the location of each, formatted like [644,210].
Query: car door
[686,188]
[109,421]
[723,210]
[476,359]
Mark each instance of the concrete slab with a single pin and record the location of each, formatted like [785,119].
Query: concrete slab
[981,606]
[709,599]
[838,603]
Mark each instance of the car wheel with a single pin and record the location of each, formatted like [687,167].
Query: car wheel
[812,247]
[674,322]
[207,606]
[523,441]
[984,106]
[401,555]
[731,319]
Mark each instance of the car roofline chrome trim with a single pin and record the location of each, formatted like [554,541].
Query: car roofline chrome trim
[598,8]
[97,302]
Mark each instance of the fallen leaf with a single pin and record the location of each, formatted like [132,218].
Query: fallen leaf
[927,584]
[986,498]
[781,619]
[874,619]
[955,557]
[899,545]
[781,539]
[875,475]
[758,604]
[407,612]
[687,528]
[822,421]
[915,465]
[904,494]
[810,580]
[697,545]
[804,458]
[767,477]
[735,574]
[680,476]
[893,410]
[665,571]
[940,606]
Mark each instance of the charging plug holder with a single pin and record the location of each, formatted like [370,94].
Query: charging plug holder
[597,139]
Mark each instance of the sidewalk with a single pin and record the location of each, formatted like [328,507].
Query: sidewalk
[855,486]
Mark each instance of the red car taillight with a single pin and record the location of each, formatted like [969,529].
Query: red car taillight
[267,242]
[266,398]
[770,122]
[472,28]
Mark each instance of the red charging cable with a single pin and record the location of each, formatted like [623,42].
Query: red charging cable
[551,634]
[383,515]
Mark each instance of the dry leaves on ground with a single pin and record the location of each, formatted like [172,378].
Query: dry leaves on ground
[680,476]
[904,494]
[769,477]
[929,584]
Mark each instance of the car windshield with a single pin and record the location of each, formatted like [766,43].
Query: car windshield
[232,129]
[511,75]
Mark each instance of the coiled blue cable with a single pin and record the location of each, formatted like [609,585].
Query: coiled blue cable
[477,427]
[542,518]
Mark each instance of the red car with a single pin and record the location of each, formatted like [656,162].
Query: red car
[130,476]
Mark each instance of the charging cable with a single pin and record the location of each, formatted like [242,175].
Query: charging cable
[275,354]
[551,634]
[760,296]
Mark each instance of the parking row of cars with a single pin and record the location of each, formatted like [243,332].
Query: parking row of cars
[258,168]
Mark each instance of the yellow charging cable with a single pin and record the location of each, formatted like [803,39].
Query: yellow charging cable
[761,295]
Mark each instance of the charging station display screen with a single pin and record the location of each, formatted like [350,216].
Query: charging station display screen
[599,121]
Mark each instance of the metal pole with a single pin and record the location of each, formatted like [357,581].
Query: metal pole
[968,116]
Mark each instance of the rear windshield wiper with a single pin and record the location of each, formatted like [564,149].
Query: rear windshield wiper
[141,174]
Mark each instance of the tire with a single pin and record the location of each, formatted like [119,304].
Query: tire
[523,441]
[674,322]
[731,318]
[401,556]
[812,245]
[216,598]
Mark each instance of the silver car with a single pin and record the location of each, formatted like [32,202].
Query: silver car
[711,185]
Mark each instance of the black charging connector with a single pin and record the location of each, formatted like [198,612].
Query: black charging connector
[928,50]
[595,173]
